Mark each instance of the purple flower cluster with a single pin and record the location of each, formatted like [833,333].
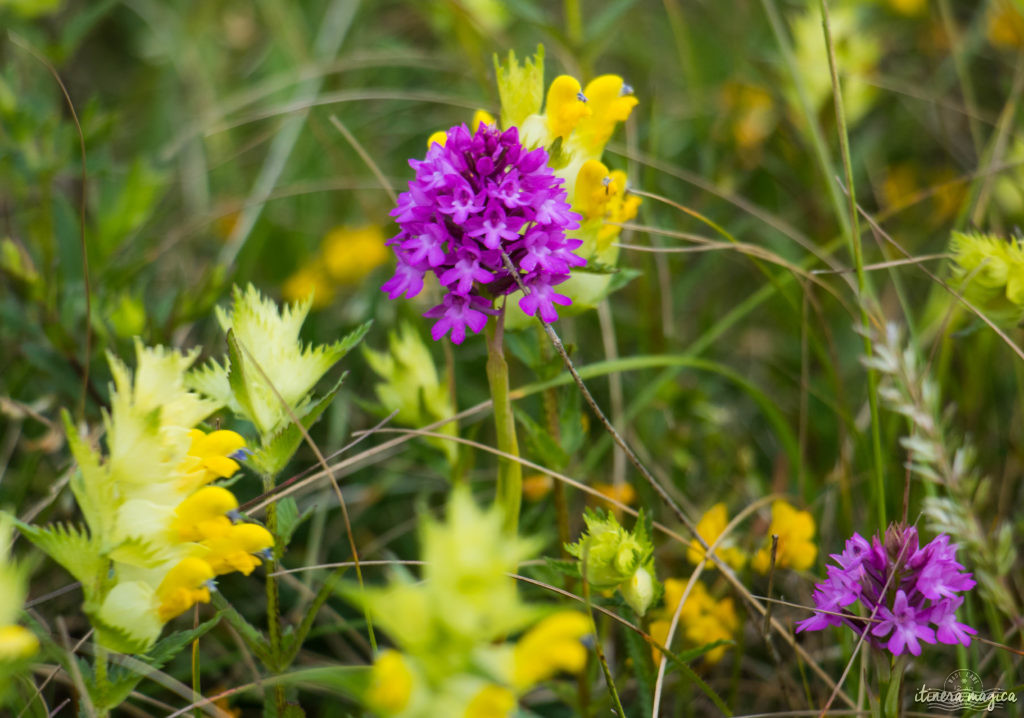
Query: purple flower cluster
[912,591]
[478,196]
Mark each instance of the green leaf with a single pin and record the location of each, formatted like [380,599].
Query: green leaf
[254,640]
[123,679]
[275,454]
[289,518]
[640,653]
[236,376]
[71,547]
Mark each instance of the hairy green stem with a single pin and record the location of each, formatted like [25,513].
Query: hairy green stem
[274,602]
[102,681]
[510,473]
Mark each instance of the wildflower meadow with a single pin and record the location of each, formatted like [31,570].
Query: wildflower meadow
[511,358]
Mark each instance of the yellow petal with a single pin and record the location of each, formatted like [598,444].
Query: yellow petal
[391,683]
[439,137]
[492,701]
[565,106]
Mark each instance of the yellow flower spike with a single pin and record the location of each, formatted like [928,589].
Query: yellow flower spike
[553,645]
[611,102]
[492,701]
[593,190]
[234,550]
[16,642]
[566,106]
[481,117]
[309,279]
[205,514]
[391,683]
[349,254]
[183,587]
[439,137]
[795,530]
[710,527]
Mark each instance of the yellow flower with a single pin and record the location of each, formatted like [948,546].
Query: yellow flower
[610,101]
[537,486]
[565,107]
[209,456]
[391,683]
[183,587]
[204,514]
[552,646]
[710,527]
[623,493]
[492,701]
[1005,26]
[703,619]
[16,642]
[236,549]
[309,279]
[795,530]
[350,253]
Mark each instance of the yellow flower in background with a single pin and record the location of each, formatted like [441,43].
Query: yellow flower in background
[908,7]
[345,257]
[350,253]
[622,492]
[537,486]
[16,642]
[752,117]
[710,527]
[391,683]
[702,619]
[309,280]
[491,701]
[796,548]
[1005,24]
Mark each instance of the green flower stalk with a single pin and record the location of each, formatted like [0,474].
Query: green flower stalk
[613,558]
[411,385]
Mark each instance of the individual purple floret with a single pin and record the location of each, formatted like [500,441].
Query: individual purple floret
[475,197]
[912,592]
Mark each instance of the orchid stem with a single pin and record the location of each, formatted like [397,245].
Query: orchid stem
[510,473]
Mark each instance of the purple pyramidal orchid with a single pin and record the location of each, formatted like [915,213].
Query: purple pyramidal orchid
[474,198]
[912,591]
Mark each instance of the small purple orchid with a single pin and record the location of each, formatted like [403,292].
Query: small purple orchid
[912,592]
[474,198]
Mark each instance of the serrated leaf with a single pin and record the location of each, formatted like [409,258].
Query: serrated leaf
[275,454]
[71,547]
[122,679]
[289,518]
[236,375]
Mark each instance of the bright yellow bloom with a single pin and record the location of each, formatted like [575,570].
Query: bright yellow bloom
[795,530]
[566,106]
[391,683]
[351,253]
[710,527]
[183,587]
[552,646]
[16,642]
[481,117]
[205,514]
[236,549]
[492,701]
[610,101]
[209,456]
